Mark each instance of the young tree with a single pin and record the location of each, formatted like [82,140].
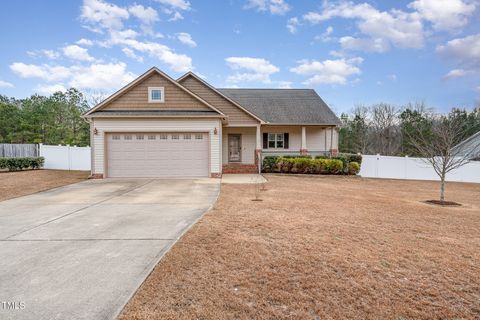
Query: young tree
[437,144]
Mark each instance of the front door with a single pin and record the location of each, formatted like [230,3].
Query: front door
[234,148]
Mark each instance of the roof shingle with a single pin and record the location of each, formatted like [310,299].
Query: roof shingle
[284,106]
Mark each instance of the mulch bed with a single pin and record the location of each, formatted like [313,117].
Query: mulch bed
[443,203]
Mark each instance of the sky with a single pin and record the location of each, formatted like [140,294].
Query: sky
[351,52]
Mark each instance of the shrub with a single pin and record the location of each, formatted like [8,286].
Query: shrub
[302,165]
[353,167]
[269,163]
[346,158]
[14,164]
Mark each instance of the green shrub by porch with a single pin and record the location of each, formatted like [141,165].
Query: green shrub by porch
[15,164]
[303,165]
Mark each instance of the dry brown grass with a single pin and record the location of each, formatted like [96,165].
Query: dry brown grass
[22,183]
[323,248]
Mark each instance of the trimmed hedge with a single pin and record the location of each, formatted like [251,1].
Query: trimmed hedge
[343,163]
[346,159]
[302,165]
[15,164]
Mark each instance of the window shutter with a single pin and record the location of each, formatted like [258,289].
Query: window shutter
[285,140]
[265,140]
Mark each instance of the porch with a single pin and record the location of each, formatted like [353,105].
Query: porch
[242,146]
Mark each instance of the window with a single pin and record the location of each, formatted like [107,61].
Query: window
[163,136]
[198,136]
[140,137]
[175,136]
[271,140]
[152,137]
[127,137]
[156,94]
[276,140]
[116,137]
[187,136]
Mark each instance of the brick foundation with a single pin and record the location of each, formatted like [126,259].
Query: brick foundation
[334,152]
[215,175]
[96,176]
[240,168]
[303,152]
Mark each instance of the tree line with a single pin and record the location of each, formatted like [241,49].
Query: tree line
[381,128]
[390,130]
[55,119]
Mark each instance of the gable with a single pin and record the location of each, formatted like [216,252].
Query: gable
[235,114]
[136,97]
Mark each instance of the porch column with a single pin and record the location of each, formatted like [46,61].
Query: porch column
[258,147]
[303,147]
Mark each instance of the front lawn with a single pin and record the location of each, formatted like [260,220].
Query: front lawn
[21,183]
[323,247]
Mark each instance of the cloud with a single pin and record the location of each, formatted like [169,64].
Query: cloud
[177,62]
[131,54]
[106,15]
[94,76]
[50,89]
[250,69]
[77,53]
[146,15]
[292,24]
[44,72]
[50,54]
[277,7]
[465,51]
[84,42]
[392,77]
[186,39]
[444,15]
[284,84]
[176,4]
[328,71]
[5,84]
[325,37]
[102,76]
[174,7]
[382,28]
[455,73]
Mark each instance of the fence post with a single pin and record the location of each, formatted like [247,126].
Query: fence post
[376,165]
[406,167]
[69,157]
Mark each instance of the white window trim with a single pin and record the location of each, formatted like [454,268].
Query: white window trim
[275,140]
[150,89]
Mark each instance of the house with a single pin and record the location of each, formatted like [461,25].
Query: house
[160,127]
[469,147]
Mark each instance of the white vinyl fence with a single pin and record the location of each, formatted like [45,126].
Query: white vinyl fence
[65,157]
[414,169]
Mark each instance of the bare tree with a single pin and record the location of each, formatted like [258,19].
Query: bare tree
[94,97]
[438,144]
[385,135]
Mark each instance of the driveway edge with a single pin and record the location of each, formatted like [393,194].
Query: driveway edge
[149,269]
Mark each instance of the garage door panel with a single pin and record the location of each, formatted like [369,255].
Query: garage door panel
[157,154]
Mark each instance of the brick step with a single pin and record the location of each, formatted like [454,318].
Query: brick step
[240,168]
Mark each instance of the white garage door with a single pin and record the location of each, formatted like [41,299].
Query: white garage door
[157,155]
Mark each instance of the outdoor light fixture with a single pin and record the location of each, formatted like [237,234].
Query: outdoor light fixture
[215,131]
[95,131]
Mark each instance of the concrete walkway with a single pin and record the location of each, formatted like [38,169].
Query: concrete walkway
[243,178]
[81,251]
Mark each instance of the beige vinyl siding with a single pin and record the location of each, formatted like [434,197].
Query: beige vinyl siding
[235,114]
[156,125]
[136,98]
[248,143]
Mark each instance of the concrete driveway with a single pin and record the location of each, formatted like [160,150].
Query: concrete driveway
[81,251]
